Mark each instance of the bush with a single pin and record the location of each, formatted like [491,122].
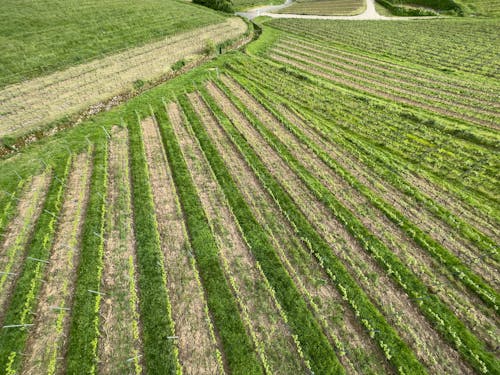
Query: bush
[210,47]
[222,5]
[178,65]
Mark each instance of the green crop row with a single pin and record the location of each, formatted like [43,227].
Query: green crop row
[9,203]
[396,351]
[312,341]
[160,351]
[237,347]
[84,326]
[24,298]
[436,312]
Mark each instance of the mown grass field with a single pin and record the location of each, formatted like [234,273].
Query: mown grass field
[324,202]
[39,37]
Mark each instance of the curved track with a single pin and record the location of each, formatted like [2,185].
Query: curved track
[370,13]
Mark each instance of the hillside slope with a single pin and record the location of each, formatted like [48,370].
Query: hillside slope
[37,38]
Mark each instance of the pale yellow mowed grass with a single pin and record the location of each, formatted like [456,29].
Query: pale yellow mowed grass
[28,105]
[120,347]
[198,349]
[47,340]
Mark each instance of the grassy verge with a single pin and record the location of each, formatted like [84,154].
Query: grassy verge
[237,346]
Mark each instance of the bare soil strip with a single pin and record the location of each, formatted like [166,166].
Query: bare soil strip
[119,342]
[30,104]
[393,302]
[356,351]
[17,234]
[47,340]
[450,291]
[315,68]
[270,332]
[198,350]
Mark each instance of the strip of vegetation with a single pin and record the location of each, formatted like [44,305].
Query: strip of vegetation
[395,350]
[314,343]
[472,349]
[84,329]
[237,346]
[160,351]
[9,203]
[24,298]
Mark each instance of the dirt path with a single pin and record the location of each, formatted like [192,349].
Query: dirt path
[119,341]
[370,13]
[198,351]
[47,340]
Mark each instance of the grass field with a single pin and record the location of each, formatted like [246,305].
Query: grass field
[324,202]
[325,7]
[28,106]
[482,8]
[39,37]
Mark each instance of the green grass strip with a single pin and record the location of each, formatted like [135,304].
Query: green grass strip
[24,298]
[314,343]
[238,348]
[84,328]
[396,351]
[471,280]
[9,203]
[160,351]
[445,322]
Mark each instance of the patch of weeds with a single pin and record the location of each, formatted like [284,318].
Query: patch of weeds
[138,84]
[178,65]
